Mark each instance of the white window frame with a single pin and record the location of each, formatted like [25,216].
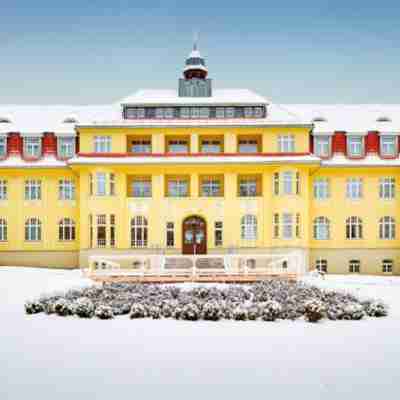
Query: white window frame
[387,228]
[388,145]
[321,265]
[170,234]
[32,147]
[139,231]
[248,225]
[33,230]
[3,189]
[211,187]
[354,188]
[387,188]
[387,266]
[355,146]
[321,188]
[354,228]
[3,146]
[286,144]
[322,146]
[287,182]
[33,189]
[102,144]
[287,226]
[3,230]
[66,189]
[321,228]
[178,187]
[218,233]
[65,147]
[247,187]
[142,188]
[66,230]
[101,184]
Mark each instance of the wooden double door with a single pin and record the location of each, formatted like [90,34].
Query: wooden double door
[194,235]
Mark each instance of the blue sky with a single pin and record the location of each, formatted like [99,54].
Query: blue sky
[289,51]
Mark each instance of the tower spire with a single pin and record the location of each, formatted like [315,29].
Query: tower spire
[195,40]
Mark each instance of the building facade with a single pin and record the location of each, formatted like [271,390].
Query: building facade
[199,170]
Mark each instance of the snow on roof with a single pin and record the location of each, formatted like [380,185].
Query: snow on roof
[170,97]
[349,118]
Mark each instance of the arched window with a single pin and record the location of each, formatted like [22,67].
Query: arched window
[33,229]
[249,227]
[321,228]
[387,228]
[139,231]
[66,229]
[3,230]
[353,228]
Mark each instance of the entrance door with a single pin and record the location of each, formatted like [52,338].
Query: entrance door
[194,235]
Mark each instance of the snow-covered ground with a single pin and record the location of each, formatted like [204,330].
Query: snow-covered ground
[49,357]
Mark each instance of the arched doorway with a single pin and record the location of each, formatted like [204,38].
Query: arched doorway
[194,235]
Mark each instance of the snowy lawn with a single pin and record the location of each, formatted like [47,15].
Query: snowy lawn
[49,357]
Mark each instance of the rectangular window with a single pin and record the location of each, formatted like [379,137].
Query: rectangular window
[387,266]
[287,182]
[141,187]
[169,113]
[287,226]
[159,113]
[258,112]
[248,146]
[66,147]
[101,181]
[32,147]
[220,112]
[248,187]
[286,144]
[3,146]
[3,190]
[354,266]
[276,226]
[322,146]
[354,188]
[298,226]
[112,230]
[3,230]
[33,190]
[321,265]
[66,189]
[185,112]
[90,231]
[276,183]
[248,112]
[178,146]
[218,238]
[387,188]
[355,146]
[388,145]
[178,187]
[101,230]
[211,187]
[141,146]
[321,188]
[112,184]
[230,112]
[297,182]
[170,234]
[91,184]
[102,144]
[211,146]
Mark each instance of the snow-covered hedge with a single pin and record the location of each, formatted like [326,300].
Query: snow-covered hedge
[265,301]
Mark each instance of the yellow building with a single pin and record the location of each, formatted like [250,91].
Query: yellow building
[201,171]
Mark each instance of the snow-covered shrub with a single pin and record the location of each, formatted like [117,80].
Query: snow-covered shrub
[253,313]
[83,307]
[190,312]
[177,312]
[377,309]
[154,312]
[138,310]
[270,310]
[62,307]
[314,310]
[353,311]
[120,307]
[212,311]
[33,307]
[335,312]
[240,314]
[104,312]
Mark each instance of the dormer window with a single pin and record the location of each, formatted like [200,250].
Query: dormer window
[322,146]
[3,146]
[355,146]
[66,147]
[319,119]
[32,147]
[383,118]
[388,145]
[70,120]
[258,112]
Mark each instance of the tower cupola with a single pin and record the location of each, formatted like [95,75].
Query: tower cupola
[195,65]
